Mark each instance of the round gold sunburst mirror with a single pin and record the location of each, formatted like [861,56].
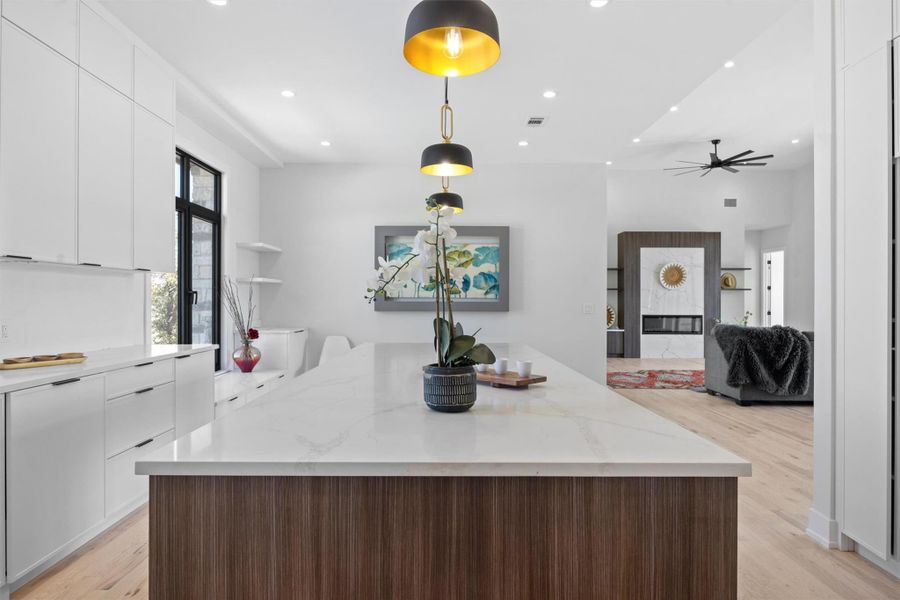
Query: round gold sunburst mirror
[610,317]
[672,276]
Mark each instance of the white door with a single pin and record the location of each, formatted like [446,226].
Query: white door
[773,290]
[194,392]
[154,193]
[105,184]
[54,469]
[38,149]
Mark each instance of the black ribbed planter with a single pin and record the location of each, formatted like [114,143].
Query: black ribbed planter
[449,389]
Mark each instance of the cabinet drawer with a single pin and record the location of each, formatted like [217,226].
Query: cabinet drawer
[139,377]
[224,407]
[137,417]
[122,485]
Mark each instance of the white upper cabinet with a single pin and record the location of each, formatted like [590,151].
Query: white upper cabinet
[896,18]
[54,22]
[38,149]
[105,183]
[867,27]
[106,52]
[154,193]
[154,87]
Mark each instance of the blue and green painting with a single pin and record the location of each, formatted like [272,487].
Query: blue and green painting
[474,264]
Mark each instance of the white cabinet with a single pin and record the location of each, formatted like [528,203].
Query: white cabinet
[138,417]
[54,22]
[154,86]
[863,337]
[866,26]
[54,469]
[105,51]
[154,193]
[283,350]
[105,184]
[123,487]
[194,392]
[38,149]
[896,18]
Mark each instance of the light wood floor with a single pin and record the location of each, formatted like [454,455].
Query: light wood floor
[776,560]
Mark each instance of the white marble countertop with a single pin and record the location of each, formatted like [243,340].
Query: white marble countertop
[97,362]
[362,415]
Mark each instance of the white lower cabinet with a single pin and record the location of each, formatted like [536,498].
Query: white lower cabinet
[283,349]
[123,487]
[194,392]
[54,469]
[229,405]
[137,417]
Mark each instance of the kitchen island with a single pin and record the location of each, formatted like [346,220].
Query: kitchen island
[343,484]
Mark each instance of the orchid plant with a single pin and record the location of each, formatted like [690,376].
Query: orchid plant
[428,264]
[235,308]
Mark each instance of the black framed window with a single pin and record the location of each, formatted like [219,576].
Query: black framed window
[199,245]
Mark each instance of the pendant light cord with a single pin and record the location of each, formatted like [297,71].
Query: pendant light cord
[446,90]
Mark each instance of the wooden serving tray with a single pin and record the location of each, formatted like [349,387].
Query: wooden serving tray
[43,363]
[510,379]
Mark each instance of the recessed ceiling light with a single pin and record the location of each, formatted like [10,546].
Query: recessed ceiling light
[673,109]
[599,3]
[609,162]
[636,140]
[325,143]
[218,2]
[549,94]
[795,141]
[729,64]
[288,93]
[523,143]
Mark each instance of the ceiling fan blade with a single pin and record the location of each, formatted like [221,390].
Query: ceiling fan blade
[687,172]
[690,162]
[730,158]
[763,157]
[707,173]
[750,165]
[713,157]
[680,168]
[729,169]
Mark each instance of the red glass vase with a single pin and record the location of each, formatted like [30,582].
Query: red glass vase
[246,357]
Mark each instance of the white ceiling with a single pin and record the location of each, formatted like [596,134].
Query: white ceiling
[617,70]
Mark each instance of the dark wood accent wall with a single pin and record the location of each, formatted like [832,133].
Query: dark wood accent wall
[442,538]
[630,244]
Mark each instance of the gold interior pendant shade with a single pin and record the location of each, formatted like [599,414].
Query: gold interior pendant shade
[452,38]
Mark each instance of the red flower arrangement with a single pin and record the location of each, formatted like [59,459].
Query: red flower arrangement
[252,334]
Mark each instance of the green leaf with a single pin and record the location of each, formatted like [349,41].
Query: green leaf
[480,354]
[459,328]
[442,335]
[459,346]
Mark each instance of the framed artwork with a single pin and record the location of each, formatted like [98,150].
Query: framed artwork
[482,281]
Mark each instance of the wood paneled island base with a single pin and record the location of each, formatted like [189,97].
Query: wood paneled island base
[442,538]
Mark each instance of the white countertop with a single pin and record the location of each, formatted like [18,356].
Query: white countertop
[362,415]
[97,362]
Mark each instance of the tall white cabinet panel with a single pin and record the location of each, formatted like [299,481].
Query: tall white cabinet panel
[105,184]
[866,27]
[154,193]
[105,51]
[38,149]
[194,392]
[54,22]
[54,469]
[154,87]
[864,171]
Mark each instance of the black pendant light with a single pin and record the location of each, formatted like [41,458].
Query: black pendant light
[452,38]
[446,198]
[446,159]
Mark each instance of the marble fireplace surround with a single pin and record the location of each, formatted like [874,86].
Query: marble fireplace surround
[630,247]
[658,300]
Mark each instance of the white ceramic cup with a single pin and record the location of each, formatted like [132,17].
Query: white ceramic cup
[524,368]
[500,366]
[481,367]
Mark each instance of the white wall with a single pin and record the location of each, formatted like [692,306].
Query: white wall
[323,216]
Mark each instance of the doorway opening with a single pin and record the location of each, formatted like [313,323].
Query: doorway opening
[773,292]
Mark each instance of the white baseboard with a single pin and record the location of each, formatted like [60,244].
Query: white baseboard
[890,565]
[822,529]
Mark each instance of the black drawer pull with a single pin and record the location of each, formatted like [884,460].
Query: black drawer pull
[281,376]
[19,256]
[87,264]
[260,386]
[299,330]
[183,356]
[232,399]
[144,443]
[146,364]
[65,381]
[144,391]
[142,269]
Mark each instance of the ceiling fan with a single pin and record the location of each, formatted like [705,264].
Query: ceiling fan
[729,164]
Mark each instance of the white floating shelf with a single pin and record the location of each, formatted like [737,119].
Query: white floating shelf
[257,280]
[261,247]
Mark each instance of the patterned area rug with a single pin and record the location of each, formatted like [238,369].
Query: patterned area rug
[656,380]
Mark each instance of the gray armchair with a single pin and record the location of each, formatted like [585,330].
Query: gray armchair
[716,376]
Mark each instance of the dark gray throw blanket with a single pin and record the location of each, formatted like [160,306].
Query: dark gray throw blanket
[774,359]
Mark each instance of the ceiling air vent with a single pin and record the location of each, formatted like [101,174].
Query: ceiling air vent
[535,121]
[730,202]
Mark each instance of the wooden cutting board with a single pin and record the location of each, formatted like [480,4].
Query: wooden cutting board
[43,363]
[510,379]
